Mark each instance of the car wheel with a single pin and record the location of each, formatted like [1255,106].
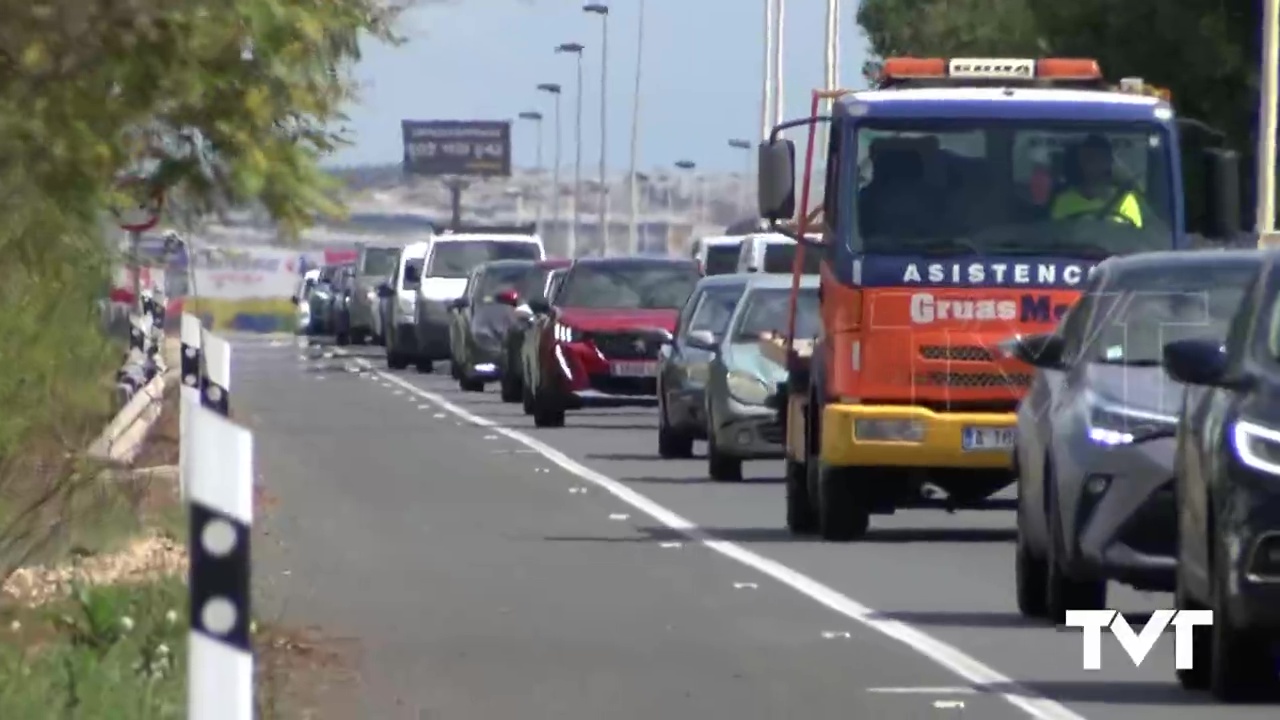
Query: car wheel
[546,415]
[671,442]
[471,385]
[1063,592]
[526,399]
[510,387]
[1197,676]
[721,467]
[843,514]
[343,339]
[1030,572]
[425,365]
[801,518]
[1241,669]
[397,361]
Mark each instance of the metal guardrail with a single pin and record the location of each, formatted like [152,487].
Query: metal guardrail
[140,384]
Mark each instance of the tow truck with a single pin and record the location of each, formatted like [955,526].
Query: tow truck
[939,249]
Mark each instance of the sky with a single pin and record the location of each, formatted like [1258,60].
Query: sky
[701,75]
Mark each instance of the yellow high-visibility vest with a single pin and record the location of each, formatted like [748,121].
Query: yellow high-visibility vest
[1070,203]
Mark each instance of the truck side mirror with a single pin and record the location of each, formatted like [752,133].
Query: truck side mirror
[776,183]
[1222,193]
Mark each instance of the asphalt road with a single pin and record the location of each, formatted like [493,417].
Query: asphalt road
[493,570]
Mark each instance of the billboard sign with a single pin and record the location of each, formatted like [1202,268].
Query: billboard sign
[464,148]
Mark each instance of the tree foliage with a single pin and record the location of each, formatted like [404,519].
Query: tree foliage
[1205,51]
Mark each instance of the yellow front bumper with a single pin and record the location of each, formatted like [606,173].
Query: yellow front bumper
[941,447]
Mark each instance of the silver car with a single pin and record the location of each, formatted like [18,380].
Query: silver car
[374,264]
[682,368]
[741,425]
[1095,449]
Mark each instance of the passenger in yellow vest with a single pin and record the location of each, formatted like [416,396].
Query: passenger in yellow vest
[1095,192]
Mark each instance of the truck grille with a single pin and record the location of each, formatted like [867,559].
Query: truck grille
[627,345]
[962,353]
[973,379]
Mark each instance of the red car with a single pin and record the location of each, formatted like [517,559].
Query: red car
[598,346]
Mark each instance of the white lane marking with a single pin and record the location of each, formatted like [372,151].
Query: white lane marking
[619,516]
[834,634]
[745,586]
[948,656]
[923,690]
[397,392]
[424,406]
[949,704]
[672,544]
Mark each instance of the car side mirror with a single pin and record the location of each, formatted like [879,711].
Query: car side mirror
[1043,350]
[776,182]
[702,340]
[540,306]
[1196,361]
[384,290]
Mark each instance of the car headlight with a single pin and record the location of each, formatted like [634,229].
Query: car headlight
[1257,446]
[1113,424]
[746,388]
[372,295]
[564,333]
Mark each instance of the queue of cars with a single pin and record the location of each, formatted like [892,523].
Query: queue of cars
[1147,446]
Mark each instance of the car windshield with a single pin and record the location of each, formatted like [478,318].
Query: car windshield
[533,284]
[779,258]
[1070,189]
[412,273]
[629,286]
[715,309]
[1148,308]
[721,260]
[457,259]
[766,310]
[379,262]
[497,278]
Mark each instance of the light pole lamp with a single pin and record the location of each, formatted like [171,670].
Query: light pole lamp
[576,49]
[535,117]
[555,91]
[745,146]
[603,11]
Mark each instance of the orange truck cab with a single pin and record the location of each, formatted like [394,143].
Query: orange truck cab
[944,237]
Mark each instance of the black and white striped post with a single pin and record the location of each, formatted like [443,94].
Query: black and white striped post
[189,367]
[219,471]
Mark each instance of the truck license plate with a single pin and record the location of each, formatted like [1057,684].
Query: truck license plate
[634,369]
[987,438]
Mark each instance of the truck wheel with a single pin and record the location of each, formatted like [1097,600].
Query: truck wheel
[801,519]
[721,467]
[843,514]
[397,361]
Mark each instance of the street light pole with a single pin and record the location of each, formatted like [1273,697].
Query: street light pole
[745,146]
[576,49]
[536,118]
[766,88]
[635,136]
[603,12]
[1265,220]
[555,91]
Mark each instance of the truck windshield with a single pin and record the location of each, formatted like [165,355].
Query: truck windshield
[958,187]
[379,261]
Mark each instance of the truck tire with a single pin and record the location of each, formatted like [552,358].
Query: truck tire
[843,514]
[801,518]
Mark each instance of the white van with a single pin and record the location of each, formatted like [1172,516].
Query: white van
[716,254]
[774,253]
[398,306]
[449,261]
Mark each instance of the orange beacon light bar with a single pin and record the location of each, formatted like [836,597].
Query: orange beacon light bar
[1025,69]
